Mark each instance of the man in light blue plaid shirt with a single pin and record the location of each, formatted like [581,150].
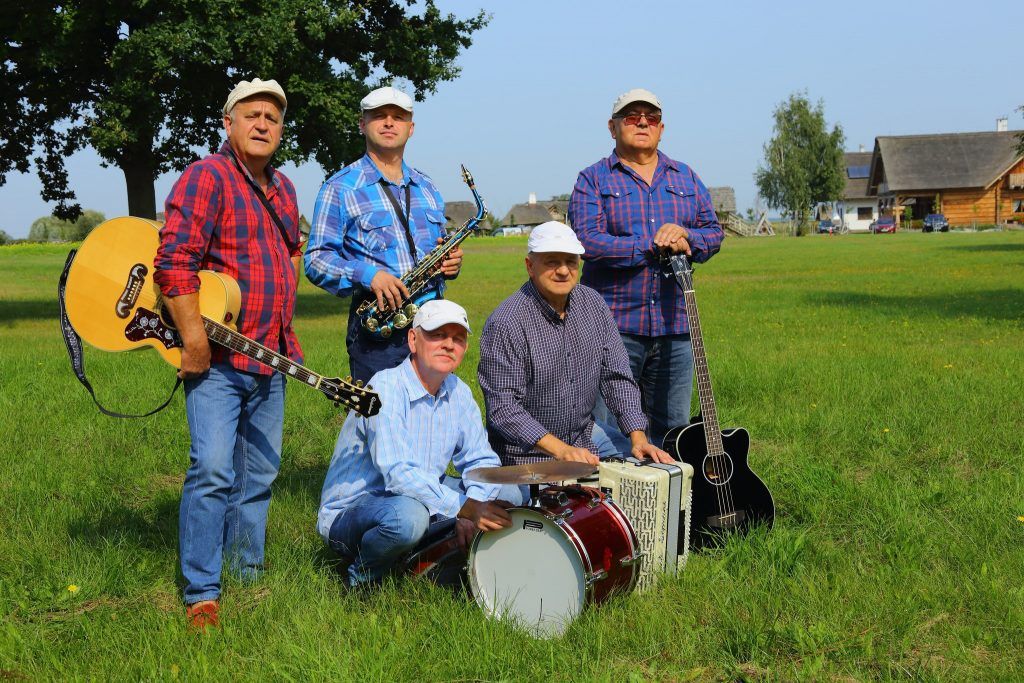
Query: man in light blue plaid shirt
[386,483]
[373,221]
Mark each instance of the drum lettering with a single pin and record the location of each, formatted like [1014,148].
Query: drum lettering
[532,525]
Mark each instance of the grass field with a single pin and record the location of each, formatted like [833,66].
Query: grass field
[880,377]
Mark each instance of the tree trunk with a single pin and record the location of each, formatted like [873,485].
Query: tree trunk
[139,179]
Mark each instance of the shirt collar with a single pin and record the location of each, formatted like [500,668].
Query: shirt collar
[415,388]
[373,175]
[226,150]
[542,304]
[663,160]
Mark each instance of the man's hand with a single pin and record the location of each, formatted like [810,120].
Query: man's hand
[452,262]
[574,454]
[649,450]
[464,533]
[642,448]
[560,450]
[387,287]
[195,358]
[673,239]
[485,516]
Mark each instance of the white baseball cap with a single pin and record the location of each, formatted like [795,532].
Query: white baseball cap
[246,89]
[382,96]
[438,313]
[635,95]
[553,236]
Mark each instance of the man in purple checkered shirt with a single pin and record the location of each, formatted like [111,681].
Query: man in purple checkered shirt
[545,355]
[626,210]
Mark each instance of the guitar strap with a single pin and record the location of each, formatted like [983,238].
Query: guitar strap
[74,345]
[404,219]
[258,191]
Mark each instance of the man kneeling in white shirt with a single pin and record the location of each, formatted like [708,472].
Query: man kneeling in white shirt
[386,485]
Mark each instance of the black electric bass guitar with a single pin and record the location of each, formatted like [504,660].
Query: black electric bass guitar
[727,495]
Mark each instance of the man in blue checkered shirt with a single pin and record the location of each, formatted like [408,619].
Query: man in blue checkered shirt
[547,353]
[627,209]
[373,221]
[386,487]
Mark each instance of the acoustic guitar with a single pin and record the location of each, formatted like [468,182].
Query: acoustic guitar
[114,304]
[727,495]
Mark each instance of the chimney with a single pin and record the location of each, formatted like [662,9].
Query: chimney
[1001,124]
[533,198]
[861,148]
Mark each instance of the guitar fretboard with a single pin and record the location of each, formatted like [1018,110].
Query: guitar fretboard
[702,377]
[225,336]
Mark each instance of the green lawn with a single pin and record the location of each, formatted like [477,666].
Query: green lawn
[880,377]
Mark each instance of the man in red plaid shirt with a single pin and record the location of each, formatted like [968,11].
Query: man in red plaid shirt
[235,406]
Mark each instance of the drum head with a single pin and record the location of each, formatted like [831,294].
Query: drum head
[530,574]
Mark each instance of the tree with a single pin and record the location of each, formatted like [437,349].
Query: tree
[1020,136]
[142,82]
[54,229]
[5,238]
[803,162]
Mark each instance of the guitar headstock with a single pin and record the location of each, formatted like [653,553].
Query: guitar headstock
[363,400]
[681,269]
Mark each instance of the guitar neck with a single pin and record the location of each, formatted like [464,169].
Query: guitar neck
[702,376]
[225,336]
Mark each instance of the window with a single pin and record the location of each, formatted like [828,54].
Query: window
[865,213]
[1018,205]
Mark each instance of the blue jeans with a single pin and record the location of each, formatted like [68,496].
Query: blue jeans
[663,367]
[377,529]
[235,421]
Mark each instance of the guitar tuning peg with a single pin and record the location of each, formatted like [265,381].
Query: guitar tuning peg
[359,383]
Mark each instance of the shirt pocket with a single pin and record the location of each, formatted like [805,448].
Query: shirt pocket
[617,203]
[435,223]
[683,203]
[377,230]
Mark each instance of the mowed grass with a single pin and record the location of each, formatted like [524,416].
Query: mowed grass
[880,377]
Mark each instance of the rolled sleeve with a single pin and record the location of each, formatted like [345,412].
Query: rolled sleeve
[191,216]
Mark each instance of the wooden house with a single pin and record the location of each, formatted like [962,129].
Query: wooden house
[857,208]
[972,178]
[533,212]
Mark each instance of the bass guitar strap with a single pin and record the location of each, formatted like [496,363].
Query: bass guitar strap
[74,345]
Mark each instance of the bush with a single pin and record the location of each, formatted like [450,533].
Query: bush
[5,238]
[53,229]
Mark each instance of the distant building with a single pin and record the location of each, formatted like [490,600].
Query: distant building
[972,178]
[857,209]
[533,213]
[458,213]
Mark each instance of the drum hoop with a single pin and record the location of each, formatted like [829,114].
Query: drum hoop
[631,538]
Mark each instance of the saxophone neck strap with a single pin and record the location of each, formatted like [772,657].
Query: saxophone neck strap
[402,217]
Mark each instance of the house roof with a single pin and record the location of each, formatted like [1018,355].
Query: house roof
[458,213]
[535,214]
[724,199]
[856,181]
[932,162]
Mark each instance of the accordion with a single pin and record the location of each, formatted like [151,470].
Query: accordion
[656,500]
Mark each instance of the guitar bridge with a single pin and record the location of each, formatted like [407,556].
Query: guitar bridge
[729,520]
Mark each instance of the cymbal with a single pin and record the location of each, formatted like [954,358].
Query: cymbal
[543,472]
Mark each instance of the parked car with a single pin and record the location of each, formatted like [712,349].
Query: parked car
[883,224]
[826,226]
[935,222]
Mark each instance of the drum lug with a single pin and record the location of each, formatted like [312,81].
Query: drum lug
[562,516]
[630,561]
[599,575]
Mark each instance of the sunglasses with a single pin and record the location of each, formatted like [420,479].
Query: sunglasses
[633,119]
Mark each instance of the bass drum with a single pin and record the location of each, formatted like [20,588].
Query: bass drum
[576,548]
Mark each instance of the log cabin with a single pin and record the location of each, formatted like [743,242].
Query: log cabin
[973,178]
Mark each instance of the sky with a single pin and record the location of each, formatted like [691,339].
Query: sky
[530,107]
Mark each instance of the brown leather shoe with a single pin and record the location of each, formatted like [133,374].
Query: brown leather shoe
[203,614]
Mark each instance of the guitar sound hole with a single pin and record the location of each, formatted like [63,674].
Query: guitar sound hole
[718,469]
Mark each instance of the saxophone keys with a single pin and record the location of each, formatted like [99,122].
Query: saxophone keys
[411,310]
[400,320]
[385,332]
[371,324]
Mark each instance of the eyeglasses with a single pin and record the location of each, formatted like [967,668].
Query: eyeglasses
[633,118]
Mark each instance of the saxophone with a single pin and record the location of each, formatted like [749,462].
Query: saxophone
[382,322]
